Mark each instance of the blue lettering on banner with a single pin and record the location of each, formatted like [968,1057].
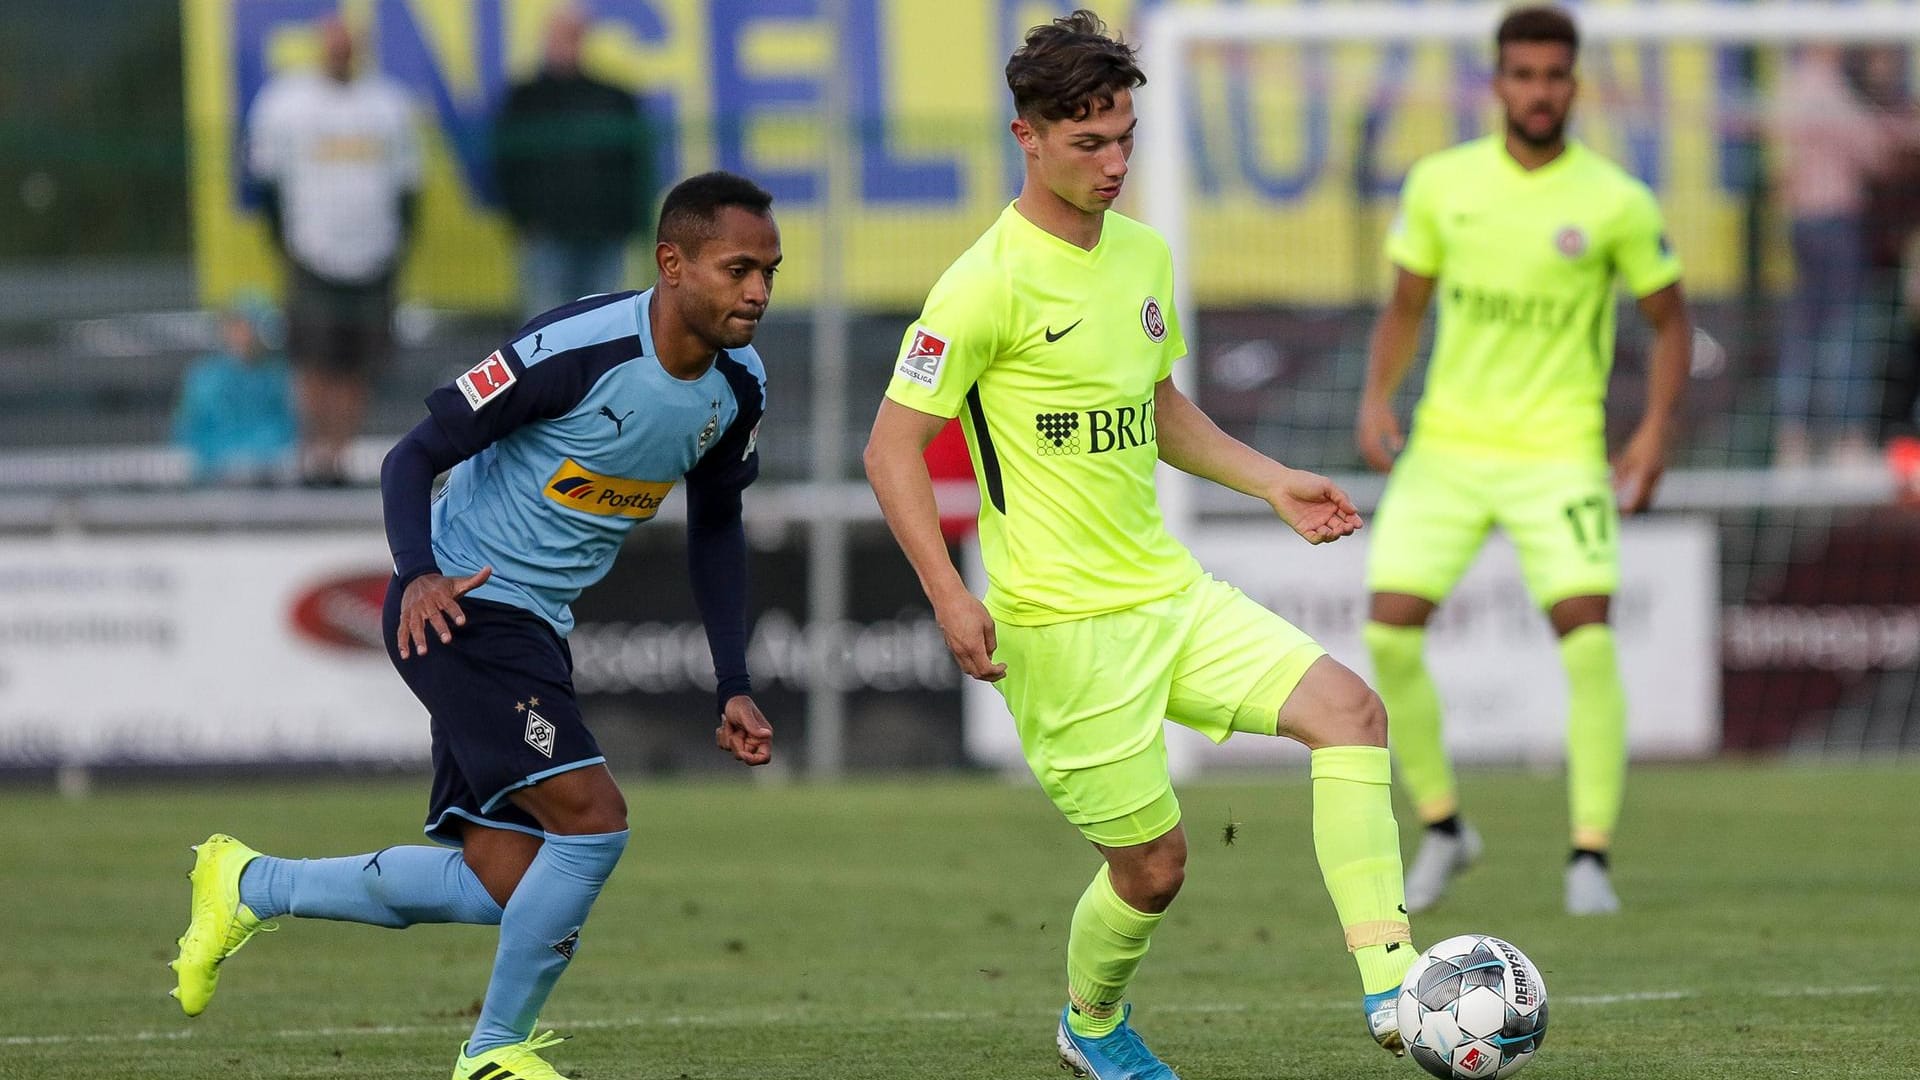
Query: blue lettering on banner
[738,96]
[466,123]
[1246,133]
[659,109]
[883,178]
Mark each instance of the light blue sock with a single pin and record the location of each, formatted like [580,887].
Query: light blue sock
[540,931]
[397,887]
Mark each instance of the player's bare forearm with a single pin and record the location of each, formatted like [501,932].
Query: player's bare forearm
[897,470]
[1191,442]
[1672,356]
[1637,469]
[1396,335]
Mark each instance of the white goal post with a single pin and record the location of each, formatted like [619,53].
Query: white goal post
[1169,33]
[1170,30]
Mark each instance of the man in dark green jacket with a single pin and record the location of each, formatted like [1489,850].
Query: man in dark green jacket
[570,156]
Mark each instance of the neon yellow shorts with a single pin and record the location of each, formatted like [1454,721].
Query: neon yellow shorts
[1090,696]
[1439,505]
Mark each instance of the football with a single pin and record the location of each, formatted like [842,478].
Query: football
[1473,1006]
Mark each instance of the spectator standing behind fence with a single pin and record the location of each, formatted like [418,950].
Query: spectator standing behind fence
[336,156]
[1828,144]
[569,155]
[1892,223]
[235,414]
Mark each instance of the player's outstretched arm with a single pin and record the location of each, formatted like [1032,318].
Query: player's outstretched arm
[897,469]
[1396,335]
[1637,469]
[1190,441]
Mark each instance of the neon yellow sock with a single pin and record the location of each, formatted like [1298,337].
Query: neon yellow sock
[1596,734]
[1358,844]
[1413,717]
[1104,949]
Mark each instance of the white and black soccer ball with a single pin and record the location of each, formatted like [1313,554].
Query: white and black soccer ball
[1473,1006]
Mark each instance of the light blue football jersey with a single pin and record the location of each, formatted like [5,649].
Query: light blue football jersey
[575,434]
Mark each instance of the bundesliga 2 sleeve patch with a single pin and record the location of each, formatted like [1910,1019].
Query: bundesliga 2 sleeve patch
[485,380]
[924,356]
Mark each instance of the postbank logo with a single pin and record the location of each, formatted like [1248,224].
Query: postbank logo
[609,496]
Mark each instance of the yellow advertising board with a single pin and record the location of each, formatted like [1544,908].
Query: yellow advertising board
[1295,153]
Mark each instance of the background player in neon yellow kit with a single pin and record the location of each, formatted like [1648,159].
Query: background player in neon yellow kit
[1522,234]
[1054,336]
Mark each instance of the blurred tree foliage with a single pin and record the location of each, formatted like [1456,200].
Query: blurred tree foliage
[93,152]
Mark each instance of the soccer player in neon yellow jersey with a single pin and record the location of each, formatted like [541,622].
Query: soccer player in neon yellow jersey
[1054,336]
[1522,235]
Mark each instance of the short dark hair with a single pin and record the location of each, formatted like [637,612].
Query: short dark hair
[691,212]
[1539,23]
[1070,67]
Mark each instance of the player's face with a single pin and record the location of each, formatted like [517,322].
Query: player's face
[726,283]
[1535,85]
[1084,162]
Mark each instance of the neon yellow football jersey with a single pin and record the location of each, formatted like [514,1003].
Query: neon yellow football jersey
[1525,263]
[1050,354]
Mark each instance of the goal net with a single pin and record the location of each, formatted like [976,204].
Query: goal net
[1777,586]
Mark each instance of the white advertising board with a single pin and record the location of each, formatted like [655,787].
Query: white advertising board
[1492,654]
[199,649]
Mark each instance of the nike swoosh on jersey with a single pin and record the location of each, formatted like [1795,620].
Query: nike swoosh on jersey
[1053,337]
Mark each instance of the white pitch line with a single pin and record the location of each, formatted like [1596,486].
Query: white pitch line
[743,1017]
[1621,999]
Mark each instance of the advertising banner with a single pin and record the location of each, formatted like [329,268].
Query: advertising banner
[1296,156]
[199,649]
[180,649]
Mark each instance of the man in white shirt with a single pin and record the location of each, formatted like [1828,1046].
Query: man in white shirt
[336,156]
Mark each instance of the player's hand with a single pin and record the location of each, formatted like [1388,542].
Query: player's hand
[744,732]
[432,600]
[969,630]
[1636,471]
[1377,433]
[1315,506]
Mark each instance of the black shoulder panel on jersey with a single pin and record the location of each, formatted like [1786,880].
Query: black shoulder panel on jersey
[475,419]
[734,460]
[569,310]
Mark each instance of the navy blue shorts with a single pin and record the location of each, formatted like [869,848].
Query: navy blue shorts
[503,712]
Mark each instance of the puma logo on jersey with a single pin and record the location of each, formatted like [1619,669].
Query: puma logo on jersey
[619,422]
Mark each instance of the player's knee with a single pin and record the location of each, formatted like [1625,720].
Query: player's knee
[605,815]
[1164,881]
[1150,884]
[1371,719]
[1357,717]
[585,806]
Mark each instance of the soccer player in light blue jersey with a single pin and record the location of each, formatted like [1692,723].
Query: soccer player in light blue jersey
[558,443]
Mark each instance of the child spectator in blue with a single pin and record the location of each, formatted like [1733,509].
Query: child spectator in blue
[235,414]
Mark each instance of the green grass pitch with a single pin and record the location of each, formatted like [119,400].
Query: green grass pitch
[916,929]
